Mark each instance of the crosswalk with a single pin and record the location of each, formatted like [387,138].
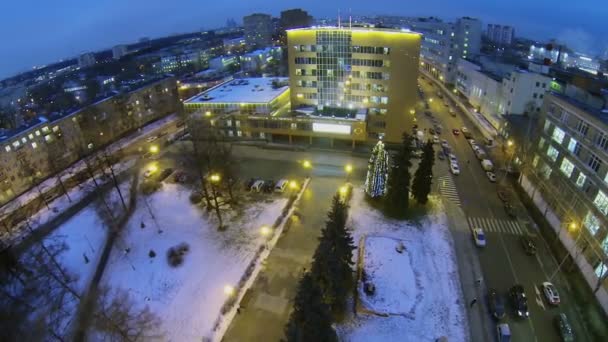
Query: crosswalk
[490,225]
[447,188]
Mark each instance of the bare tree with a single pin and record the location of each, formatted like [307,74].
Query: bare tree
[116,318]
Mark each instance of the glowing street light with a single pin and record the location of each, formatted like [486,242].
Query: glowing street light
[215,177]
[293,185]
[348,168]
[343,190]
[153,168]
[573,226]
[307,164]
[207,113]
[431,99]
[154,149]
[509,143]
[265,230]
[228,290]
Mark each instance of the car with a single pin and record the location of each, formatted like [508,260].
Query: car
[435,139]
[491,176]
[564,328]
[281,185]
[444,143]
[479,237]
[165,173]
[472,142]
[431,131]
[510,210]
[152,138]
[456,131]
[454,168]
[528,244]
[427,113]
[148,173]
[249,183]
[551,293]
[453,159]
[519,301]
[503,332]
[452,112]
[496,304]
[446,104]
[438,129]
[257,185]
[464,130]
[268,186]
[417,154]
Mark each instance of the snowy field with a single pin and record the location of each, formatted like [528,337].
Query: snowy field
[418,289]
[187,299]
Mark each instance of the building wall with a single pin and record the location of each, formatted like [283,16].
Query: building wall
[500,34]
[483,91]
[37,153]
[358,68]
[523,92]
[258,30]
[568,164]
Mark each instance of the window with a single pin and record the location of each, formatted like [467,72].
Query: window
[591,222]
[31,136]
[534,95]
[535,161]
[594,162]
[384,100]
[601,269]
[567,167]
[546,126]
[23,140]
[558,135]
[34,145]
[537,84]
[582,127]
[239,133]
[601,202]
[545,171]
[16,143]
[7,148]
[580,181]
[541,143]
[601,141]
[552,153]
[262,135]
[572,145]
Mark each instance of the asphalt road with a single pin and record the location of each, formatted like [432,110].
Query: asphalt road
[503,261]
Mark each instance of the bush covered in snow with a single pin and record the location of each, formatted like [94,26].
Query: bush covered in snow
[175,255]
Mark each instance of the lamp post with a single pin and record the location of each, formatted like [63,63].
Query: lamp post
[510,153]
[573,226]
[349,169]
[214,179]
[307,165]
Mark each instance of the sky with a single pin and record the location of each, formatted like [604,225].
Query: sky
[38,32]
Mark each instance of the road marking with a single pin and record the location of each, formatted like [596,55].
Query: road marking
[447,188]
[496,225]
[539,299]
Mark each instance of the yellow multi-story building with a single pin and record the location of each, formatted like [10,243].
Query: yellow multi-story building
[339,71]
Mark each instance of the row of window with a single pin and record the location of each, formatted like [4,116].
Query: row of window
[21,142]
[377,50]
[371,75]
[375,87]
[375,63]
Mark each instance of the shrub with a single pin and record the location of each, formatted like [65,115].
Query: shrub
[196,197]
[175,255]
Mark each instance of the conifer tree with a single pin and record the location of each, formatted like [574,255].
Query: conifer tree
[377,172]
[423,177]
[398,190]
[310,319]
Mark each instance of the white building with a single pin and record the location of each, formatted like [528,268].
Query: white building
[221,63]
[523,92]
[86,60]
[500,34]
[258,59]
[119,51]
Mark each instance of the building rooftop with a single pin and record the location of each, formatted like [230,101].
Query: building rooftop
[356,28]
[244,90]
[601,115]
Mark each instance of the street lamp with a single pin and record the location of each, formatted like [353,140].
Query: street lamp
[214,179]
[154,149]
[573,227]
[228,290]
[265,230]
[509,143]
[343,190]
[293,185]
[431,99]
[306,164]
[207,113]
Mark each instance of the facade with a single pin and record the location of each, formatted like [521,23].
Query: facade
[119,51]
[86,60]
[35,152]
[567,178]
[540,53]
[234,44]
[523,92]
[444,43]
[258,30]
[500,34]
[340,70]
[257,60]
[295,18]
[482,88]
[187,60]
[221,63]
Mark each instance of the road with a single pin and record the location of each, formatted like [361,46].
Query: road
[503,262]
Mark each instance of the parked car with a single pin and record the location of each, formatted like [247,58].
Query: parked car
[281,185]
[479,237]
[496,304]
[491,176]
[467,135]
[268,186]
[417,153]
[152,138]
[503,332]
[452,112]
[464,130]
[455,131]
[431,131]
[444,143]
[435,139]
[551,293]
[519,301]
[257,185]
[454,168]
[528,244]
[249,183]
[510,210]
[164,174]
[453,158]
[471,142]
[564,328]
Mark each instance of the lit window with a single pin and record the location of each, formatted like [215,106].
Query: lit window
[7,148]
[567,167]
[55,129]
[591,222]
[602,268]
[535,161]
[558,135]
[31,136]
[572,145]
[23,140]
[552,153]
[16,143]
[541,143]
[34,145]
[601,202]
[580,181]
[45,129]
[38,133]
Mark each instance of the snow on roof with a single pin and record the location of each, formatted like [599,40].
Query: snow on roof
[244,90]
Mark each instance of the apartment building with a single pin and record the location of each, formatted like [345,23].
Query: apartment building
[567,178]
[258,30]
[50,144]
[500,34]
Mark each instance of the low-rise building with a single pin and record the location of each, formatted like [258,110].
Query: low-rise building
[500,34]
[119,51]
[86,60]
[47,145]
[257,60]
[523,92]
[222,63]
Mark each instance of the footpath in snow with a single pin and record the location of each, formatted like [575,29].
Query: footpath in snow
[418,291]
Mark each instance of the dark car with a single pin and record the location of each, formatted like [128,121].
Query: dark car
[564,328]
[529,245]
[510,210]
[268,186]
[496,304]
[431,131]
[519,301]
[180,177]
[467,135]
[166,173]
[503,195]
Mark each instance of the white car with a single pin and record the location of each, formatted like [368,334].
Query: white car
[152,138]
[453,159]
[454,168]
[551,293]
[464,130]
[491,176]
[479,237]
[148,173]
[471,142]
[257,186]
[281,185]
[435,139]
[444,143]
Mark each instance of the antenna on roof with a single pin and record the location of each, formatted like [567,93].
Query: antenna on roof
[350,19]
[338,18]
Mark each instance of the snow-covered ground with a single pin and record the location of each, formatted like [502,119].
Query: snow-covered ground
[187,299]
[419,289]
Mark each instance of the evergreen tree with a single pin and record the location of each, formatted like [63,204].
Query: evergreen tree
[398,190]
[424,174]
[310,319]
[332,265]
[377,172]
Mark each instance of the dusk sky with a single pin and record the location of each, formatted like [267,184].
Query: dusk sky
[36,32]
